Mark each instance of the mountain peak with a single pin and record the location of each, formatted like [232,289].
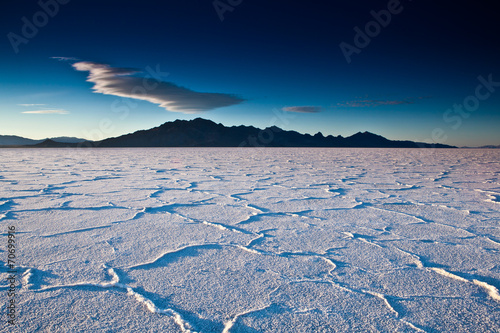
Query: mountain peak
[366,134]
[201,120]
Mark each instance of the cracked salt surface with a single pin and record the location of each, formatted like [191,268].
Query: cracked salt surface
[254,240]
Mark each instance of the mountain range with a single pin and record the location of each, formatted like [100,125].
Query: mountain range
[206,133]
[14,140]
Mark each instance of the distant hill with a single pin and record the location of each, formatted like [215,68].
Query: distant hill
[483,147]
[66,139]
[205,133]
[490,147]
[13,140]
[49,143]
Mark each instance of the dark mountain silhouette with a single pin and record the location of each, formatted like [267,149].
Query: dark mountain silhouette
[49,143]
[10,140]
[205,133]
[488,147]
[67,139]
[13,140]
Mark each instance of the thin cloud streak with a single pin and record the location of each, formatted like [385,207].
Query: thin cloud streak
[372,102]
[30,104]
[47,112]
[363,103]
[120,82]
[302,109]
[65,58]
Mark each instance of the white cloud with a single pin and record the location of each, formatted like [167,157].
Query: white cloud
[120,82]
[30,104]
[303,109]
[47,112]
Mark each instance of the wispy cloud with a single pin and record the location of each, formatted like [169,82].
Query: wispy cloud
[373,102]
[47,112]
[302,109]
[363,103]
[65,58]
[124,82]
[30,104]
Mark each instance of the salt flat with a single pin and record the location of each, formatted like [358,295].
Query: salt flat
[253,240]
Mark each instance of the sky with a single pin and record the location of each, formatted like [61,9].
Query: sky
[406,70]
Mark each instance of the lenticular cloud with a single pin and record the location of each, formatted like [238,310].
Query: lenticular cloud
[302,109]
[121,82]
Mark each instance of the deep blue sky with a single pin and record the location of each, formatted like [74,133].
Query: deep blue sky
[264,62]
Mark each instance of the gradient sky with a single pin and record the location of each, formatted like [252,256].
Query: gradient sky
[95,69]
